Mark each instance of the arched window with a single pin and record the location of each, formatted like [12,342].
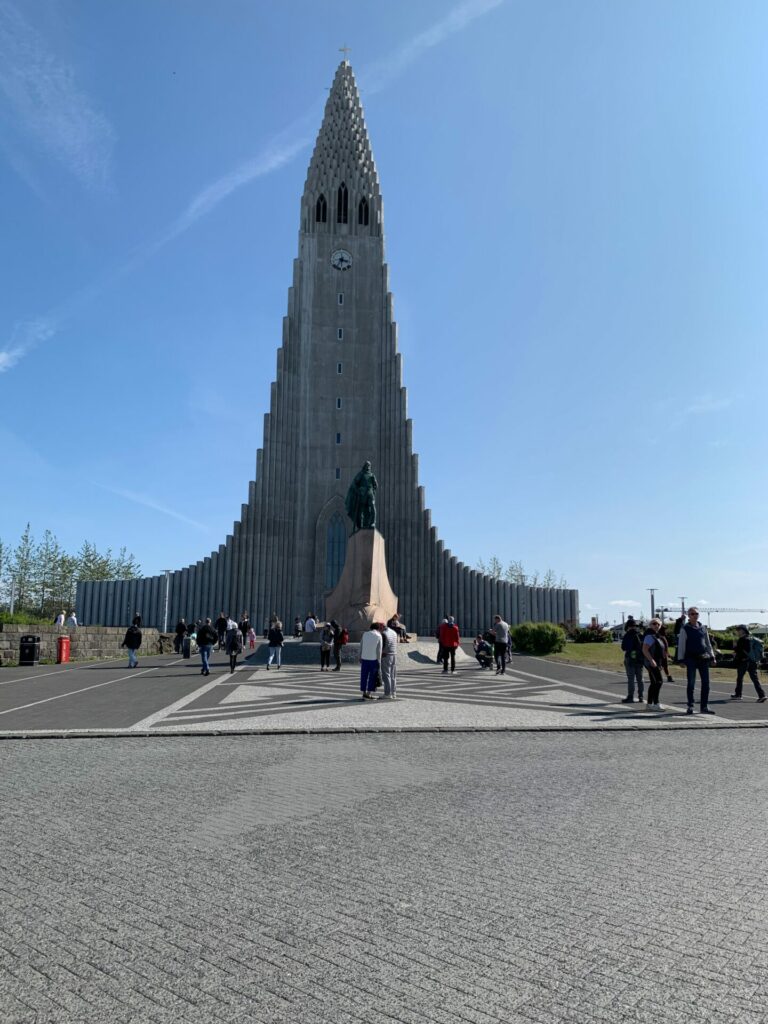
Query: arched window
[362,211]
[321,209]
[342,204]
[335,550]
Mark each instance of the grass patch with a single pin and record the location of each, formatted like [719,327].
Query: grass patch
[611,657]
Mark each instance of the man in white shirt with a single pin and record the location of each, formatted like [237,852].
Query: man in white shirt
[500,643]
[310,625]
[389,641]
[370,660]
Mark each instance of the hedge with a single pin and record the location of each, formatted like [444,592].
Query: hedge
[538,638]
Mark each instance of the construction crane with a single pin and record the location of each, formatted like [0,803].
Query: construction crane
[761,611]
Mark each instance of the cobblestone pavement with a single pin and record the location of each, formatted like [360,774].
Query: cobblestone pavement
[168,694]
[524,878]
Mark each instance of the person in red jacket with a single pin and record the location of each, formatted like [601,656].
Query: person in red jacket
[449,641]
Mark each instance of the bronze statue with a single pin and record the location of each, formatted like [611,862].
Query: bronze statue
[361,500]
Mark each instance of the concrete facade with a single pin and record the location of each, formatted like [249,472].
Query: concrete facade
[337,400]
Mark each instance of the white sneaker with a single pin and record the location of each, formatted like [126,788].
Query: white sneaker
[655,707]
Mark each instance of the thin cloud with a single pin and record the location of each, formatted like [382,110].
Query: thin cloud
[626,604]
[299,135]
[707,404]
[379,75]
[46,103]
[275,155]
[26,335]
[147,502]
[91,133]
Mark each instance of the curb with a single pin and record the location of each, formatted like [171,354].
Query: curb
[91,734]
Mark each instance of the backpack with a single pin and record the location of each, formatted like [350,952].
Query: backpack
[756,649]
[344,636]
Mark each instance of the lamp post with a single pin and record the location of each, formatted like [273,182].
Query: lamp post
[652,592]
[167,596]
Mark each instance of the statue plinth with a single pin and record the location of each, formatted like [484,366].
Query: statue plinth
[363,594]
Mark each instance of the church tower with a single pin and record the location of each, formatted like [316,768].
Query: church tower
[337,401]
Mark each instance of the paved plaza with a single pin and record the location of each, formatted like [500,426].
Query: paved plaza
[168,695]
[523,878]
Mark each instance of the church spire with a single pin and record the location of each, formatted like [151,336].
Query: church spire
[342,174]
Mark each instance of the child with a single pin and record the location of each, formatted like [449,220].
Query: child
[252,638]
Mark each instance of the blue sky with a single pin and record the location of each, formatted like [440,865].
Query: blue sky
[575,213]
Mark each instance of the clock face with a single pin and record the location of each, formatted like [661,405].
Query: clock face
[341,259]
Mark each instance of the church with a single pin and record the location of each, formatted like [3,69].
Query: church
[337,401]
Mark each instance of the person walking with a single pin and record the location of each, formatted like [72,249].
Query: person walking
[275,640]
[326,643]
[500,644]
[653,651]
[244,625]
[221,629]
[449,641]
[632,645]
[664,640]
[694,650]
[132,641]
[59,620]
[181,632]
[338,642]
[439,658]
[71,622]
[370,661]
[206,638]
[389,642]
[234,644]
[749,654]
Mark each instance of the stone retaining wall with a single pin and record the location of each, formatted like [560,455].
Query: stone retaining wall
[88,643]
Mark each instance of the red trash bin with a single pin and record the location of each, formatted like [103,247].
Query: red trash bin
[62,650]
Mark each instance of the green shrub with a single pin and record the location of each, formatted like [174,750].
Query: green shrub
[24,618]
[592,636]
[538,638]
[724,640]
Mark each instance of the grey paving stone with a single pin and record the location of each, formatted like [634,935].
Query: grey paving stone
[525,877]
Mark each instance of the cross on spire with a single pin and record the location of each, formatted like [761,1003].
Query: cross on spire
[345,50]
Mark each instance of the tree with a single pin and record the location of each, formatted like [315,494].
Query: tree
[44,576]
[495,568]
[515,573]
[125,566]
[3,569]
[22,568]
[47,560]
[93,566]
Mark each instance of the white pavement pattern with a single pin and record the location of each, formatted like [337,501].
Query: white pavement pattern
[169,695]
[300,699]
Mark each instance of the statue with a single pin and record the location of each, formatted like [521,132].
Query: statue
[361,500]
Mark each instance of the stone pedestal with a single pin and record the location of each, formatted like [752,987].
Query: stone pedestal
[363,594]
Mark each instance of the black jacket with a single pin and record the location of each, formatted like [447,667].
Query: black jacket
[206,635]
[132,638]
[275,637]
